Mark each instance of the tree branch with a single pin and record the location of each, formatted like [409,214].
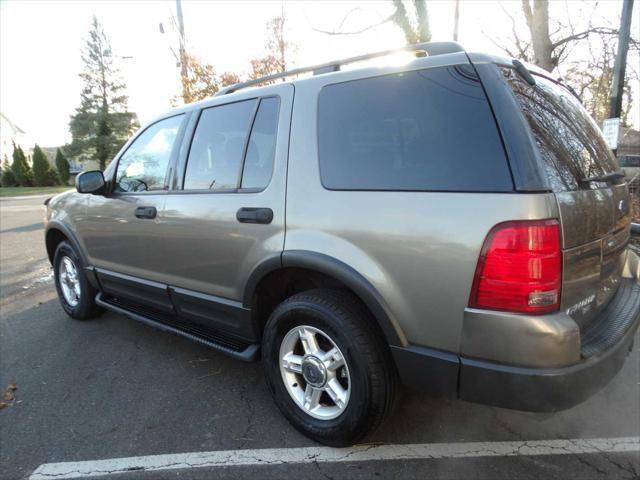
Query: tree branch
[354,32]
[585,34]
[522,50]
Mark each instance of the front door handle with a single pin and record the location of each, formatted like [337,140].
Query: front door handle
[254,215]
[146,212]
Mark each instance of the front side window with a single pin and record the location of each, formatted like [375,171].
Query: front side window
[415,131]
[143,167]
[215,158]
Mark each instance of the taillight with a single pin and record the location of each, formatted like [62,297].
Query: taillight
[520,268]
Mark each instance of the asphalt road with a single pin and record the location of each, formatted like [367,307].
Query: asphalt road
[112,388]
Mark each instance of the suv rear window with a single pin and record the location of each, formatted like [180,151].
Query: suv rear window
[427,130]
[568,139]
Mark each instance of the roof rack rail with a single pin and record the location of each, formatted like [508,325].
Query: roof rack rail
[429,48]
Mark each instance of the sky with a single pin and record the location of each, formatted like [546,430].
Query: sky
[41,42]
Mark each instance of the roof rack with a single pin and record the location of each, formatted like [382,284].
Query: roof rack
[429,48]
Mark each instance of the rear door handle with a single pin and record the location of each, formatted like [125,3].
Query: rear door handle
[254,215]
[146,212]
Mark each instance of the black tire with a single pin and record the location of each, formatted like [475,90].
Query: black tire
[351,327]
[86,307]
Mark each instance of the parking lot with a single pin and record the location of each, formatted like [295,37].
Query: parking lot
[102,391]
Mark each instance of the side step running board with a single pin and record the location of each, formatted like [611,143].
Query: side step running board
[247,353]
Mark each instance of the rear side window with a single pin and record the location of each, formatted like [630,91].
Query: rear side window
[261,149]
[423,130]
[568,139]
[215,158]
[234,146]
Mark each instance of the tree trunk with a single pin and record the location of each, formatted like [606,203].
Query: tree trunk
[401,18]
[421,32]
[538,23]
[424,31]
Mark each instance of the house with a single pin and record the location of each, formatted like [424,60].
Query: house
[10,133]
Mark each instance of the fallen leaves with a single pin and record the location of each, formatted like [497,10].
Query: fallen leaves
[8,396]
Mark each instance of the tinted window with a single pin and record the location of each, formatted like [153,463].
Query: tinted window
[423,130]
[216,152]
[629,161]
[143,167]
[258,163]
[569,141]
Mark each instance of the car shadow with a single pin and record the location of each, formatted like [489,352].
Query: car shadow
[24,228]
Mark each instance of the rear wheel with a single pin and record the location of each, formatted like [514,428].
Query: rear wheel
[328,369]
[75,293]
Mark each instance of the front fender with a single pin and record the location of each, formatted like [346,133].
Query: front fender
[69,234]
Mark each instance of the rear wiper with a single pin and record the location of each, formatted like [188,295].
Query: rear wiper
[606,177]
[523,72]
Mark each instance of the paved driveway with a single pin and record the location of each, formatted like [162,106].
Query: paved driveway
[92,392]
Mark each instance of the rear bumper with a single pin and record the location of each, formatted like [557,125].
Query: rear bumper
[541,390]
[604,350]
[536,389]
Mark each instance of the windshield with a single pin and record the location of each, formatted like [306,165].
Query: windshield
[569,141]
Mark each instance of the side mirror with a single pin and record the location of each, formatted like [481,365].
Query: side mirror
[91,182]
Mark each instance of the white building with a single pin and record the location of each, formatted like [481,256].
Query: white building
[10,133]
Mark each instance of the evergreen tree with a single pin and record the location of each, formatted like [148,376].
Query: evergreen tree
[102,122]
[8,178]
[62,166]
[52,177]
[41,168]
[20,168]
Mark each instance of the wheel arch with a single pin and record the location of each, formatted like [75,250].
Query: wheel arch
[331,268]
[55,233]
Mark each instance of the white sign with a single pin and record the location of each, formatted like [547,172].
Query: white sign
[611,130]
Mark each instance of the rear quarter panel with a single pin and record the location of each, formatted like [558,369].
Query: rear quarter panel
[417,249]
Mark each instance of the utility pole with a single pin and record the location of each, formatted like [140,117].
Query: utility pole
[620,65]
[456,20]
[184,73]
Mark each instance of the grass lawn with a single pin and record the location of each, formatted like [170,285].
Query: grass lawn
[19,191]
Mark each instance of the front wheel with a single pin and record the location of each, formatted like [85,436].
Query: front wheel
[75,293]
[328,369]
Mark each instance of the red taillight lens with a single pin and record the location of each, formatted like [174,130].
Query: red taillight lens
[520,268]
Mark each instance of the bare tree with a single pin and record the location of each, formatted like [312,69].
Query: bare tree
[583,55]
[279,50]
[592,76]
[546,43]
[414,24]
[538,22]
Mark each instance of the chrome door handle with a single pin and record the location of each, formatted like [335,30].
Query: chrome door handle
[146,212]
[254,215]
